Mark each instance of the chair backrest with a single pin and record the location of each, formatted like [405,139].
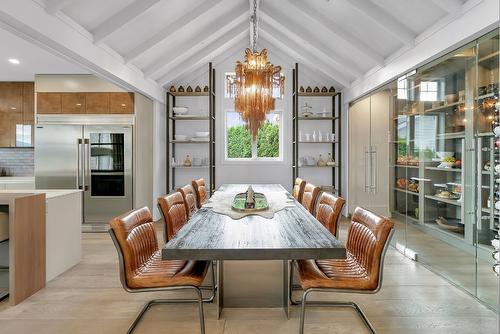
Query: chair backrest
[367,241]
[174,214]
[329,210]
[189,197]
[135,239]
[298,189]
[309,197]
[201,192]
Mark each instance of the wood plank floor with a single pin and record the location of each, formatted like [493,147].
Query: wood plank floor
[89,299]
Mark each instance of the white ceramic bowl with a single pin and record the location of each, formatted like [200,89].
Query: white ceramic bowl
[444,154]
[180,137]
[180,110]
[202,134]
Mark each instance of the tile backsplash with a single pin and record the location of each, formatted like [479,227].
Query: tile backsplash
[17,161]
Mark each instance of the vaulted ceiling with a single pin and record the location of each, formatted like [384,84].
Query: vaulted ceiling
[165,40]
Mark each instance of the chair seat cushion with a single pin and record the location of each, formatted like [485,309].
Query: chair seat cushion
[156,273]
[334,274]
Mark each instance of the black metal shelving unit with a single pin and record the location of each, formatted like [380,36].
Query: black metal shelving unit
[336,100]
[170,131]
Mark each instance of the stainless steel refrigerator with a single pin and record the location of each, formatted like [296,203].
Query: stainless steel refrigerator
[93,157]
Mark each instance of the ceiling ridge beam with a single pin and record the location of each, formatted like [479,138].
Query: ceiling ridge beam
[384,20]
[171,29]
[53,6]
[214,30]
[337,30]
[292,48]
[323,51]
[118,20]
[449,6]
[208,53]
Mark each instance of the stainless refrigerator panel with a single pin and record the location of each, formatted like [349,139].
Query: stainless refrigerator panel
[107,172]
[58,156]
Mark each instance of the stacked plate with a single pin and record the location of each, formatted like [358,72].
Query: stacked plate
[201,136]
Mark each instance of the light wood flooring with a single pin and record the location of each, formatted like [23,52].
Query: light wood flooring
[89,299]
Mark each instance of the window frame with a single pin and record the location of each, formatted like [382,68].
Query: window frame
[254,158]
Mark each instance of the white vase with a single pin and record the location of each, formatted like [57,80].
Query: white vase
[314,136]
[320,136]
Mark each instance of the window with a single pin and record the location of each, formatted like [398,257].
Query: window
[239,143]
[230,86]
[23,135]
[429,91]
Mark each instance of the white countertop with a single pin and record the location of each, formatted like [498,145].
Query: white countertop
[16,179]
[49,193]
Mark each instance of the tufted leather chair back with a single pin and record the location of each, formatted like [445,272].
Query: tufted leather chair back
[367,241]
[174,214]
[329,210]
[189,197]
[309,197]
[298,189]
[135,239]
[201,192]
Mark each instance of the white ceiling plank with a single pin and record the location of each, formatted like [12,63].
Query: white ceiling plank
[218,28]
[53,6]
[29,20]
[340,74]
[121,18]
[287,46]
[222,44]
[172,28]
[210,47]
[339,31]
[322,51]
[449,6]
[384,20]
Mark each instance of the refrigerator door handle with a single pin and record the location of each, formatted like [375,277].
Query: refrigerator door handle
[86,164]
[365,165]
[373,169]
[79,174]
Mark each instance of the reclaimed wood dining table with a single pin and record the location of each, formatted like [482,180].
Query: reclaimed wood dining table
[292,234]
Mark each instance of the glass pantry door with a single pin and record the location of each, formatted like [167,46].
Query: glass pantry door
[488,169]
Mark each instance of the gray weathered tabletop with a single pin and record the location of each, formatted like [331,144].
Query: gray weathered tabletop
[293,233]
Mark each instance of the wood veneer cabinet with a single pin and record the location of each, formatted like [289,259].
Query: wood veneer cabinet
[85,103]
[16,109]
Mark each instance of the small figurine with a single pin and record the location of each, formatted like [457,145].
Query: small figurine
[205,89]
[316,89]
[189,89]
[321,162]
[324,90]
[187,161]
[309,89]
[301,89]
[332,89]
[250,198]
[172,89]
[181,89]
[197,89]
[330,162]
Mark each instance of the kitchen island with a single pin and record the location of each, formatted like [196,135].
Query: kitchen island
[44,237]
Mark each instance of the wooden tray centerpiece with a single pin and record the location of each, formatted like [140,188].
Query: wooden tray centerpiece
[250,201]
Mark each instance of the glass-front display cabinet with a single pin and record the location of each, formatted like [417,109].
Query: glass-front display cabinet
[446,168]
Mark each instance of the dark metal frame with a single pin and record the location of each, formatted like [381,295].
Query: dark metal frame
[336,127]
[170,121]
[303,302]
[200,300]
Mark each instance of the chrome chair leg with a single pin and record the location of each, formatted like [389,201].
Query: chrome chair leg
[148,305]
[212,287]
[353,305]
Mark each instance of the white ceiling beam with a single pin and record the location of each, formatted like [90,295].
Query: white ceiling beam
[449,6]
[121,18]
[209,47]
[191,46]
[340,32]
[28,20]
[207,54]
[384,20]
[53,6]
[291,48]
[171,29]
[324,52]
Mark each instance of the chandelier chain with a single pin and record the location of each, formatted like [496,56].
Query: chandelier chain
[254,21]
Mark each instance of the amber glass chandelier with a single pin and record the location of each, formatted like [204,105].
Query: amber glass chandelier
[255,79]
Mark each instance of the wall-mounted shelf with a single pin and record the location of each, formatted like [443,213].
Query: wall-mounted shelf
[189,93]
[317,94]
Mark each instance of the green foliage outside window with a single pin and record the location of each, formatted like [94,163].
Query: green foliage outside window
[268,141]
[239,142]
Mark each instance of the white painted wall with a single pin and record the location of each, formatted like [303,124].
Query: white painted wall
[159,161]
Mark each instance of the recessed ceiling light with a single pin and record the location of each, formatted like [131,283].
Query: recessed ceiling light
[14,61]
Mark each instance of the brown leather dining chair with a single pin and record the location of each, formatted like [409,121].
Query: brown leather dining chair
[309,197]
[173,211]
[189,197]
[298,189]
[328,211]
[361,272]
[201,192]
[143,270]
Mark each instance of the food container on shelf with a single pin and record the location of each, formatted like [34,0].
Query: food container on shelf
[180,110]
[451,98]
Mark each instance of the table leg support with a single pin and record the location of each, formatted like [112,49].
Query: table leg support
[220,289]
[286,287]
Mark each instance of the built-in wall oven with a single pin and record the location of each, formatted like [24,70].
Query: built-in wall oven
[94,156]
